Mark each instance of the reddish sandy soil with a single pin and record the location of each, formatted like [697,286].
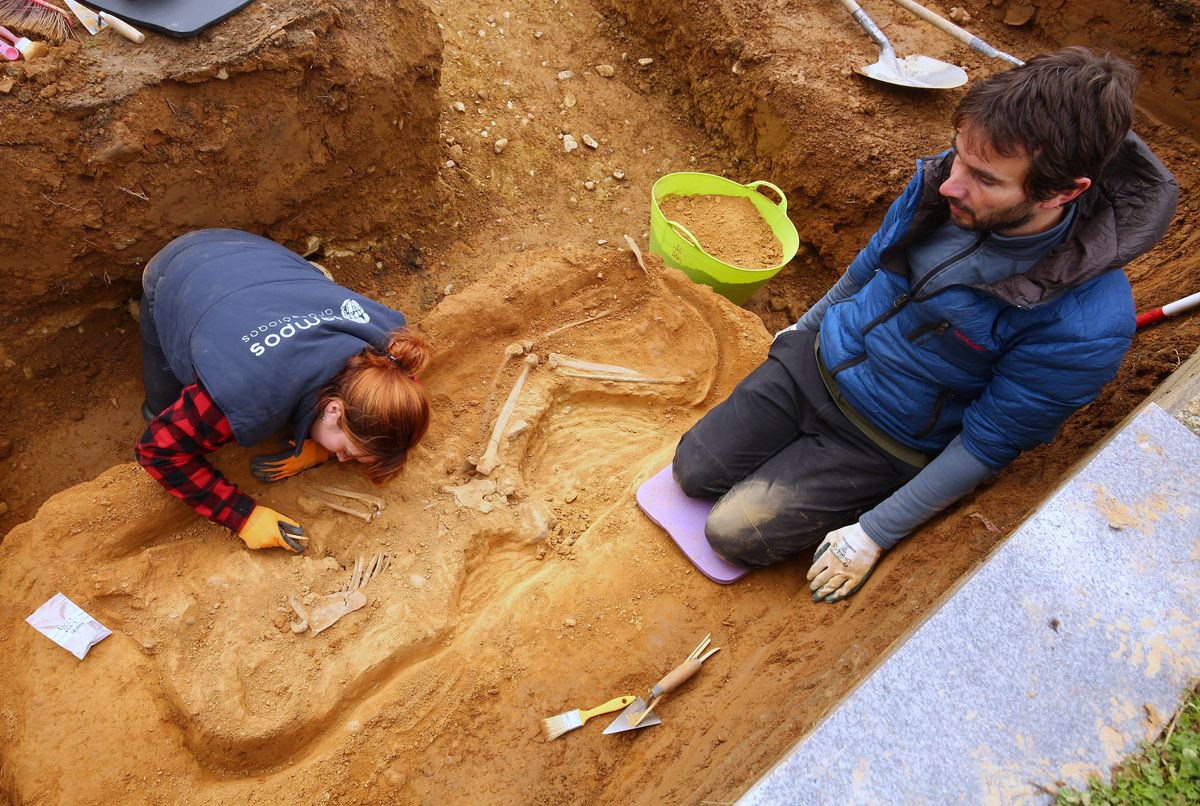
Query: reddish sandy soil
[562,595]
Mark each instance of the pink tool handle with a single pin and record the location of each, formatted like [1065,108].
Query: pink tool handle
[6,50]
[1170,309]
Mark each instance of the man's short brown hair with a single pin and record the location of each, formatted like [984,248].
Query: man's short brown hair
[1068,111]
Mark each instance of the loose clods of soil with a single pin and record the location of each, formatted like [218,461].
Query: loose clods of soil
[729,228]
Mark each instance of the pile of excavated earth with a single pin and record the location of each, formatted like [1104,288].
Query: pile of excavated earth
[478,167]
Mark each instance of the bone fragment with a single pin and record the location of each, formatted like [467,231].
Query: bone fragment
[328,609]
[489,461]
[600,376]
[559,360]
[302,625]
[373,503]
[570,325]
[637,253]
[511,351]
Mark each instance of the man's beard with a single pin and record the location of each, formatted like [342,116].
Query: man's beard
[1009,218]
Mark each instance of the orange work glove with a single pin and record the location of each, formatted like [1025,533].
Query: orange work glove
[267,529]
[279,466]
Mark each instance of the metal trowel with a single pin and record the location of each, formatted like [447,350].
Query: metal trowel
[95,23]
[640,713]
[622,722]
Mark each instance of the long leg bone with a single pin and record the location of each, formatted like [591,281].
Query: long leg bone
[511,351]
[489,461]
[600,376]
[557,360]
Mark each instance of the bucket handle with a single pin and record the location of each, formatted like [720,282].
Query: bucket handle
[684,233]
[781,204]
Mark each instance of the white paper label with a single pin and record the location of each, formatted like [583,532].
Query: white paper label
[65,624]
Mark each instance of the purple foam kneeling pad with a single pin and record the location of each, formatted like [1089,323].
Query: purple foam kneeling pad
[683,519]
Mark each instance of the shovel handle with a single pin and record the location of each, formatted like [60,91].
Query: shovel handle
[937,20]
[867,24]
[961,34]
[676,677]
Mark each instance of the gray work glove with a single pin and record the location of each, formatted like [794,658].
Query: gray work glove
[844,560]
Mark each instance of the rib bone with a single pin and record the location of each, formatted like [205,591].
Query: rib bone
[489,461]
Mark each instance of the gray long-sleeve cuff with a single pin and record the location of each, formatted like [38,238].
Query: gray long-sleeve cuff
[844,288]
[953,474]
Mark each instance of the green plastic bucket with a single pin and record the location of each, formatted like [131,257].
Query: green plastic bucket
[678,248]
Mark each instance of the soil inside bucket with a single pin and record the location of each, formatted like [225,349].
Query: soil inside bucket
[729,228]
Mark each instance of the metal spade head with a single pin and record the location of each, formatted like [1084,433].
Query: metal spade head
[621,723]
[921,72]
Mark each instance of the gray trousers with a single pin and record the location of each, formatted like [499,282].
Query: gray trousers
[785,464]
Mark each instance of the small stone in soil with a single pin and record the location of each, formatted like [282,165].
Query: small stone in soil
[590,141]
[459,106]
[569,143]
[605,70]
[501,144]
[645,62]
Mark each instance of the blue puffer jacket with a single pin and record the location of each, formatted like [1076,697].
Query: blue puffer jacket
[1004,364]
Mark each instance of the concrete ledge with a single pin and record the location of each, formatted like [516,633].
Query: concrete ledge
[1073,643]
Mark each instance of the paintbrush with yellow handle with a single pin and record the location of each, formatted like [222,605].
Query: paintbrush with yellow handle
[558,725]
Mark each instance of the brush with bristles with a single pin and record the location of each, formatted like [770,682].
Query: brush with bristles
[36,17]
[558,725]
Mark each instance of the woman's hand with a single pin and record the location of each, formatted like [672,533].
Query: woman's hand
[268,529]
[279,466]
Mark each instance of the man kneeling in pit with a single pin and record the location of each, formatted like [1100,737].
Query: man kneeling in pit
[989,306]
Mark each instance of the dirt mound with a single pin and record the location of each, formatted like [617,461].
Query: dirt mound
[290,119]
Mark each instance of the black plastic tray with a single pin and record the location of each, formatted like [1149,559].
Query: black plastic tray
[174,17]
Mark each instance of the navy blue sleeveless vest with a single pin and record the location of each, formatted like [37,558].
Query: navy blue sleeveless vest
[260,327]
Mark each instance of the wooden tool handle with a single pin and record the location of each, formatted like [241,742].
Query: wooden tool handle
[960,34]
[123,28]
[676,677]
[607,708]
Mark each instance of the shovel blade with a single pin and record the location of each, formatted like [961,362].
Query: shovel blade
[621,723]
[920,72]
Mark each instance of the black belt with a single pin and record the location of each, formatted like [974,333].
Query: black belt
[872,432]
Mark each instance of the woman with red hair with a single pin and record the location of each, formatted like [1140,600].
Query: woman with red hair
[241,338]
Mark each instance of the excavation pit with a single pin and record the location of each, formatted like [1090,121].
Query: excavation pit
[561,594]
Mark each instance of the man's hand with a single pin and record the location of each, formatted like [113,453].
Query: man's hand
[279,466]
[844,560]
[267,529]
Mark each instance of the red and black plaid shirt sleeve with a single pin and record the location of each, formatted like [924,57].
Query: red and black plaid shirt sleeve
[172,451]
